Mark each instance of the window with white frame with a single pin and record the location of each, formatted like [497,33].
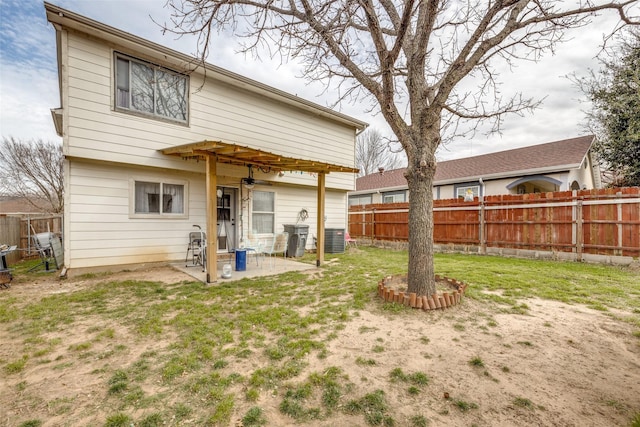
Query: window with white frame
[263,212]
[142,87]
[362,199]
[159,198]
[463,192]
[394,197]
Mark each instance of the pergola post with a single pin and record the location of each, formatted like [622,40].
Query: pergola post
[320,225]
[212,235]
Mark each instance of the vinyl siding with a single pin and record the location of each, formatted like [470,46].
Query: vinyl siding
[217,112]
[107,149]
[101,231]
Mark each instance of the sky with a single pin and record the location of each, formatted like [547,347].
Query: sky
[29,80]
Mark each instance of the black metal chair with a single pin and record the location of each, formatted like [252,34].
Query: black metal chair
[197,249]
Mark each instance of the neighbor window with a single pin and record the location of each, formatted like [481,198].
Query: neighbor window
[263,212]
[394,197]
[149,89]
[462,191]
[362,199]
[159,198]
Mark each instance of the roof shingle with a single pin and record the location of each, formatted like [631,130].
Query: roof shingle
[561,155]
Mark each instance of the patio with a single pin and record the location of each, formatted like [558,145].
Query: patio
[278,266]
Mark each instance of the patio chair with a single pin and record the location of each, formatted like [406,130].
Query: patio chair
[197,249]
[42,245]
[350,241]
[255,245]
[278,246]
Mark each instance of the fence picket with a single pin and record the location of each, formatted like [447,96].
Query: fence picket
[605,221]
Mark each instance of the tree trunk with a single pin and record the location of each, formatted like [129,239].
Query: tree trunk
[419,174]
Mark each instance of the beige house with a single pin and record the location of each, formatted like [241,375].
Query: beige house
[554,166]
[155,143]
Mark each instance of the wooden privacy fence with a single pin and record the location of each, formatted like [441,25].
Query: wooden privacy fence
[18,230]
[10,235]
[605,222]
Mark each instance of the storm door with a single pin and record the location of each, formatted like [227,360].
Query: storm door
[226,218]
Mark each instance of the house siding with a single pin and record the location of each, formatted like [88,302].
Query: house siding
[583,175]
[106,150]
[290,200]
[217,112]
[101,231]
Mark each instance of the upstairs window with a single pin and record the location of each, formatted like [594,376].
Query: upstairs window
[145,88]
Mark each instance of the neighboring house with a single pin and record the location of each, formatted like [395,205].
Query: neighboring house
[155,144]
[555,166]
[19,205]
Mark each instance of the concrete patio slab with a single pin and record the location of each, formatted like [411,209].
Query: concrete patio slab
[259,268]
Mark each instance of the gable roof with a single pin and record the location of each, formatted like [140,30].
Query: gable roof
[534,159]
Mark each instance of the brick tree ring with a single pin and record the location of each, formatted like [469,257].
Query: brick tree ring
[391,289]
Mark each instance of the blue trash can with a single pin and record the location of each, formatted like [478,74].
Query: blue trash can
[241,259]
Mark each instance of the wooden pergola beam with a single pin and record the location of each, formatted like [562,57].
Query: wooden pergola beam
[239,155]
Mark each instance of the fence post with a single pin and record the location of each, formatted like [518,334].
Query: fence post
[574,222]
[373,225]
[29,234]
[579,230]
[619,222]
[483,240]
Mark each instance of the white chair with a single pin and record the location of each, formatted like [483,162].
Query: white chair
[278,246]
[255,245]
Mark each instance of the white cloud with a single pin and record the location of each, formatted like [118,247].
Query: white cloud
[29,84]
[27,98]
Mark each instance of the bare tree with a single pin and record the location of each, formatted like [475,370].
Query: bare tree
[373,152]
[33,170]
[416,61]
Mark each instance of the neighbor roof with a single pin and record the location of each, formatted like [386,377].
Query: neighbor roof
[542,158]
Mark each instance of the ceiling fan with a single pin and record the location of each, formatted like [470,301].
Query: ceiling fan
[250,181]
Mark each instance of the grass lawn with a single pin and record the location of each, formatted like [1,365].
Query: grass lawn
[199,339]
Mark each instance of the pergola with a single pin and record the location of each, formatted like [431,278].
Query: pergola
[215,152]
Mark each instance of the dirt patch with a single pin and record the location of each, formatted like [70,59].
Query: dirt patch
[556,365]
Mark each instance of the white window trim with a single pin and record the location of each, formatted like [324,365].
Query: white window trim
[393,195]
[114,93]
[132,198]
[359,198]
[464,188]
[251,211]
